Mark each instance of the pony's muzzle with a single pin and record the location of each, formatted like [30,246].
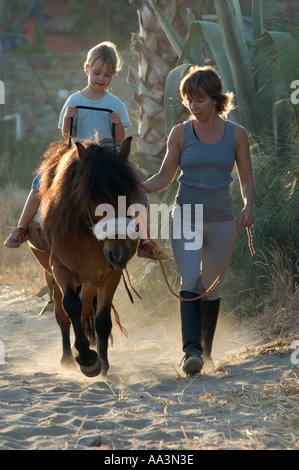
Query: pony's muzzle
[116,234]
[117,253]
[121,228]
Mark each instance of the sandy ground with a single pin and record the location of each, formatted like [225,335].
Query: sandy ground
[145,402]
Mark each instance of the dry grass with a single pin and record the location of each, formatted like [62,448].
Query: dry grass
[18,267]
[274,403]
[283,317]
[281,274]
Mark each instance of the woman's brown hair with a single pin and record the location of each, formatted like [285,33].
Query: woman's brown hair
[207,79]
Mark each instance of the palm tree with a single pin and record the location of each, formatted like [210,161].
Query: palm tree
[260,78]
[156,58]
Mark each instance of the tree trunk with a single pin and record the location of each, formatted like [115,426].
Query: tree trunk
[156,58]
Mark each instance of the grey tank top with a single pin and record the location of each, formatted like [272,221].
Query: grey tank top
[206,173]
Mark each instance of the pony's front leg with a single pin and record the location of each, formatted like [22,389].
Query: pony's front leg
[103,323]
[88,359]
[64,323]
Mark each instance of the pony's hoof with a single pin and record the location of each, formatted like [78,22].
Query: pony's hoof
[93,370]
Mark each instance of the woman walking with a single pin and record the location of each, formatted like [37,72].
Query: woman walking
[205,149]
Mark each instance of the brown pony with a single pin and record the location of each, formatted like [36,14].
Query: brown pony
[79,266]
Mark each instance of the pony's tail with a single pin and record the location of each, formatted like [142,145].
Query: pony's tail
[89,325]
[122,329]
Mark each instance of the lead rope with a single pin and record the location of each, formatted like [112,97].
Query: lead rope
[250,244]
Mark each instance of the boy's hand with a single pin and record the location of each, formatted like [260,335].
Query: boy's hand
[71,111]
[115,118]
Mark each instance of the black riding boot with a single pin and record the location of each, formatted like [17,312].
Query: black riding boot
[209,316]
[191,333]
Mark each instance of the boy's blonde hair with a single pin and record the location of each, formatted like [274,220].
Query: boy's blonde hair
[107,52]
[206,79]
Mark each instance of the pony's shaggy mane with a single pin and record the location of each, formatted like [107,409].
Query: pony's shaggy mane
[70,187]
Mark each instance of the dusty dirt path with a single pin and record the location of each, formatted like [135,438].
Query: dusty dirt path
[250,401]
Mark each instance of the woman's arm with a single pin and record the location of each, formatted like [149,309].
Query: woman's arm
[170,163]
[245,174]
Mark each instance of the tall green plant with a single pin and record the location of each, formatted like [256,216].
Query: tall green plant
[235,46]
[260,77]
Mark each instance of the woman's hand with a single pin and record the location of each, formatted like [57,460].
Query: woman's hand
[246,217]
[245,174]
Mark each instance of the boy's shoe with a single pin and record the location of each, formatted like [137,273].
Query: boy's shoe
[17,236]
[151,250]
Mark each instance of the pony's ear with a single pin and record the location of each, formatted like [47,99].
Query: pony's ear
[125,147]
[81,151]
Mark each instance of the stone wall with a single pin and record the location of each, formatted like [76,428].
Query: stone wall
[37,85]
[32,90]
